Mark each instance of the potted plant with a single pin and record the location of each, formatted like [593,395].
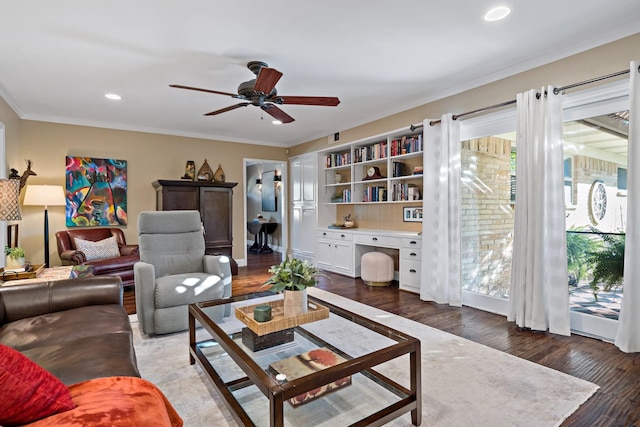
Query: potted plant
[292,277]
[14,257]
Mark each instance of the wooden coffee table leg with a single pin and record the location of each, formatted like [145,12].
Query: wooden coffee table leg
[277,410]
[415,361]
[192,336]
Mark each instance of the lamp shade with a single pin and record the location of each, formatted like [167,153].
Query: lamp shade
[9,206]
[44,195]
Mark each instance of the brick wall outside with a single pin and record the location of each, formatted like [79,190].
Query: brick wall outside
[487,216]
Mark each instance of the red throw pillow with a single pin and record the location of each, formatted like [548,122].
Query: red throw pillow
[28,392]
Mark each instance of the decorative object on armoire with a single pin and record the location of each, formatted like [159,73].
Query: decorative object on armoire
[44,195]
[219,176]
[14,174]
[292,277]
[205,173]
[214,201]
[96,192]
[190,170]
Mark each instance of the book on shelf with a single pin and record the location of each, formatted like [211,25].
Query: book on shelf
[375,194]
[338,159]
[406,145]
[370,152]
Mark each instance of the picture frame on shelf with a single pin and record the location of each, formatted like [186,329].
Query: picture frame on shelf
[412,214]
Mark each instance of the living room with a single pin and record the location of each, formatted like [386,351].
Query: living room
[153,155]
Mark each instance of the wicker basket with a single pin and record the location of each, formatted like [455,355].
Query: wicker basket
[278,321]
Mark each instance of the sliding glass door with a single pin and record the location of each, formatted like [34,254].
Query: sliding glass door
[487,206]
[596,212]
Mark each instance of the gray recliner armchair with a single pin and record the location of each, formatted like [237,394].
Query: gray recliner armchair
[174,271]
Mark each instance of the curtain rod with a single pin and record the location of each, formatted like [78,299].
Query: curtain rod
[503,104]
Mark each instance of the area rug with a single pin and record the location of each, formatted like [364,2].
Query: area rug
[463,383]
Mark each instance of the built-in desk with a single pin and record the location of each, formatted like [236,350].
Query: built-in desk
[340,251]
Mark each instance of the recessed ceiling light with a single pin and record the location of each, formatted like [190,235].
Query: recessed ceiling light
[112,96]
[497,13]
[276,122]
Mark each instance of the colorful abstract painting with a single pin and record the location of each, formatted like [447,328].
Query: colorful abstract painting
[96,192]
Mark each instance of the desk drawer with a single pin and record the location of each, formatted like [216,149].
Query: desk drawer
[412,243]
[335,235]
[375,240]
[411,254]
[410,272]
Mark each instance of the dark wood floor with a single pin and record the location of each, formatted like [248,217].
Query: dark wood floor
[616,403]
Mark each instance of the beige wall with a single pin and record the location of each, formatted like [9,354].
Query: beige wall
[149,157]
[596,62]
[153,156]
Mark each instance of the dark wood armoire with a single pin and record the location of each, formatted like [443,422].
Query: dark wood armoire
[214,201]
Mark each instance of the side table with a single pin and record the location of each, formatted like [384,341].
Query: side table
[49,274]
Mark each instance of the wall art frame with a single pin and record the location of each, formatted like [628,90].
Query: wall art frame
[412,214]
[96,192]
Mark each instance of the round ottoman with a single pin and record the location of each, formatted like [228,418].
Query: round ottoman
[377,269]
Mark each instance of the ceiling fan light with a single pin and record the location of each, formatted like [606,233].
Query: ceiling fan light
[276,122]
[497,13]
[112,96]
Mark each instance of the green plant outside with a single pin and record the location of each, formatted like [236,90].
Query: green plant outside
[293,274]
[14,252]
[578,246]
[607,263]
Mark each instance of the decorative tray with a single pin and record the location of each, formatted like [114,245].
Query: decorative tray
[278,321]
[34,271]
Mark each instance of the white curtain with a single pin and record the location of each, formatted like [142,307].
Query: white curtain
[628,334]
[539,295]
[441,281]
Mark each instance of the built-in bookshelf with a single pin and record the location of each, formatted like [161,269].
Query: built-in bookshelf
[396,159]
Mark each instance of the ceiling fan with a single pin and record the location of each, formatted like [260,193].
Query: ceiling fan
[262,93]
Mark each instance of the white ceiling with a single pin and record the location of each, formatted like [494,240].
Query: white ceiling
[58,58]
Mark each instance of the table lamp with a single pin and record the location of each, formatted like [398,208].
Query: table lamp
[9,207]
[44,195]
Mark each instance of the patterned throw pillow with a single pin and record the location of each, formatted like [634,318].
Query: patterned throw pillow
[107,248]
[28,392]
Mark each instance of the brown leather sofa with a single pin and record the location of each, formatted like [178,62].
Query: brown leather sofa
[121,266]
[77,329]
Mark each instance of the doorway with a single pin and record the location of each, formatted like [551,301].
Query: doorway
[265,183]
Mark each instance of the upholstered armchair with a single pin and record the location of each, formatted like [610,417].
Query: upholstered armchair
[174,271]
[105,249]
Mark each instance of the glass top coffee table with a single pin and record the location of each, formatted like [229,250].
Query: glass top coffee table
[343,370]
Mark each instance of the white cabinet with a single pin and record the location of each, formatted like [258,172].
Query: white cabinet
[335,252]
[303,219]
[303,210]
[303,179]
[410,264]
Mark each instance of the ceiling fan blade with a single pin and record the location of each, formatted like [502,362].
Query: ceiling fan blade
[329,101]
[277,113]
[224,110]
[204,90]
[266,80]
